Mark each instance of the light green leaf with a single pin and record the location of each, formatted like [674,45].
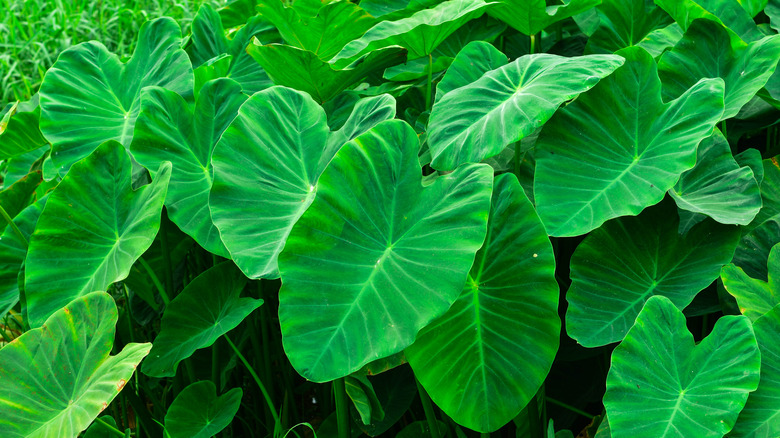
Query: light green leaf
[755,297]
[717,186]
[752,158]
[19,131]
[727,12]
[92,230]
[705,51]
[479,120]
[377,256]
[473,61]
[531,16]
[170,129]
[254,200]
[485,359]
[626,261]
[763,233]
[88,96]
[303,70]
[761,416]
[197,412]
[619,148]
[695,390]
[625,23]
[206,309]
[56,379]
[753,7]
[420,34]
[660,40]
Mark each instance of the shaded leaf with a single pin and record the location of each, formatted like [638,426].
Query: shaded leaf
[197,412]
[531,16]
[19,131]
[625,23]
[755,297]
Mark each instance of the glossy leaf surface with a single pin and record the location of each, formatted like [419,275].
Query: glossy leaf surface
[473,61]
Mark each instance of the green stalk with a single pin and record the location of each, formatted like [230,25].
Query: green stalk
[430,415]
[166,254]
[156,281]
[111,428]
[568,407]
[429,83]
[13,226]
[215,363]
[256,378]
[533,43]
[533,418]
[342,407]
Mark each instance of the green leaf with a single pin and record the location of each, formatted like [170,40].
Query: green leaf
[717,186]
[365,401]
[197,412]
[395,390]
[660,40]
[531,16]
[479,120]
[206,309]
[753,7]
[705,51]
[755,297]
[325,34]
[419,429]
[19,131]
[19,195]
[420,34]
[622,264]
[88,96]
[695,390]
[619,148]
[170,129]
[727,12]
[99,430]
[56,379]
[377,256]
[625,23]
[303,70]
[473,61]
[763,233]
[772,11]
[254,201]
[484,360]
[760,416]
[92,230]
[752,158]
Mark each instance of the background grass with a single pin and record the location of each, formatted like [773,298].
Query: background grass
[34,32]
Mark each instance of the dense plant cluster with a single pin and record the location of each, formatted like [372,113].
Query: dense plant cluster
[404,218]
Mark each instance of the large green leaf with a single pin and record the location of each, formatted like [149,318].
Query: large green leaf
[255,201]
[170,129]
[531,16]
[480,119]
[325,34]
[763,233]
[619,148]
[88,96]
[19,195]
[755,297]
[753,7]
[92,230]
[706,51]
[473,61]
[197,412]
[303,70]
[420,34]
[487,356]
[693,390]
[717,186]
[19,131]
[625,23]
[761,416]
[622,264]
[727,12]
[206,309]
[57,378]
[377,256]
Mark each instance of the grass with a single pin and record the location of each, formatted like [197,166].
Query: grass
[34,32]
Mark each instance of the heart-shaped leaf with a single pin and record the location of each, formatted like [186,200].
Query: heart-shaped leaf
[609,287]
[755,297]
[480,119]
[278,125]
[727,12]
[473,61]
[19,131]
[377,256]
[13,250]
[170,129]
[92,230]
[197,412]
[695,390]
[531,16]
[625,23]
[761,415]
[420,34]
[619,148]
[57,378]
[486,358]
[88,96]
[717,186]
[206,309]
[705,51]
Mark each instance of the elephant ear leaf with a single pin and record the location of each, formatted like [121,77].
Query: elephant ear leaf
[19,132]
[197,412]
[88,96]
[696,390]
[531,16]
[755,297]
[729,13]
[618,148]
[63,370]
[625,23]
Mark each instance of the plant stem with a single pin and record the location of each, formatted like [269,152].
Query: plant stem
[430,415]
[533,43]
[13,226]
[428,84]
[257,379]
[156,281]
[166,253]
[568,407]
[215,363]
[533,418]
[111,428]
[342,407]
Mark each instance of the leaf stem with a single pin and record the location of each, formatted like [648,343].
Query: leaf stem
[166,252]
[533,418]
[13,226]
[111,428]
[430,415]
[156,281]
[342,407]
[568,407]
[257,379]
[429,83]
[533,43]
